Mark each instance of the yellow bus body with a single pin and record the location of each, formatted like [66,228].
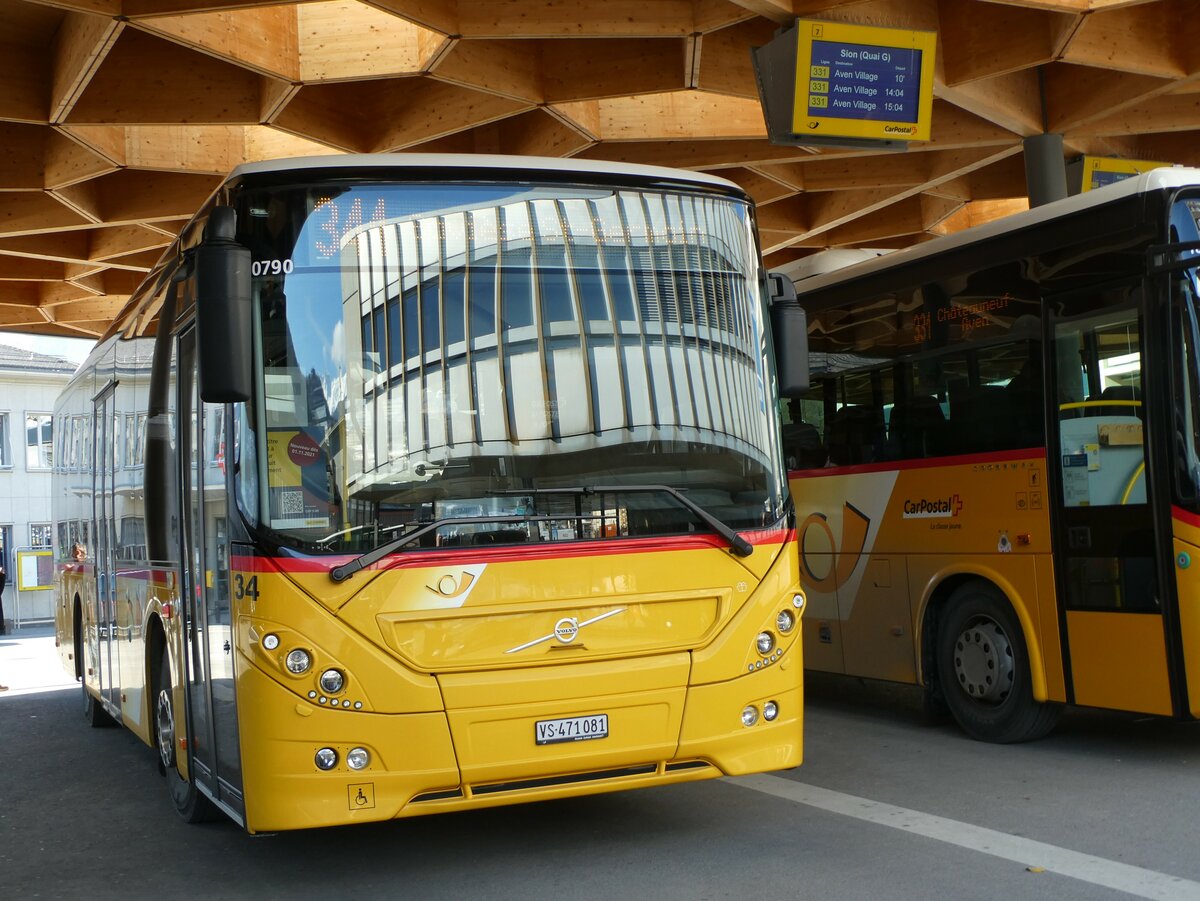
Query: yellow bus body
[873,559]
[444,704]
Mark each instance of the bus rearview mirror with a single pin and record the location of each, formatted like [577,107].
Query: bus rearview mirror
[223,327]
[789,326]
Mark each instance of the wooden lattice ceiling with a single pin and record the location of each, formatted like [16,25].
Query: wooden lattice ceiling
[118,117]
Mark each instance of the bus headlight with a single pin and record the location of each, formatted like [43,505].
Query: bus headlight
[326,759]
[749,715]
[332,681]
[358,758]
[798,601]
[770,711]
[270,641]
[785,621]
[765,643]
[298,661]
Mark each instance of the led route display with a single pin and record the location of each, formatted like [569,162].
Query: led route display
[858,81]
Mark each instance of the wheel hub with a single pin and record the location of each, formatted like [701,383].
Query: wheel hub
[983,661]
[164,719]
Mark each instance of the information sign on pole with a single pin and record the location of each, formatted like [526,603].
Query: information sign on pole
[850,85]
[1099,171]
[862,81]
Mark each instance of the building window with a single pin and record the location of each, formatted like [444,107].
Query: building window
[39,441]
[5,459]
[40,534]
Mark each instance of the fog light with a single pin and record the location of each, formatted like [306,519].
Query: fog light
[770,711]
[765,643]
[798,601]
[358,758]
[785,621]
[270,641]
[326,759]
[298,661]
[332,681]
[749,715]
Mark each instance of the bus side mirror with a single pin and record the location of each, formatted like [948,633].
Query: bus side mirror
[223,327]
[789,325]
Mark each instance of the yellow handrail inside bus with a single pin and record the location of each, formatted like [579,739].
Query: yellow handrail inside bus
[1133,481]
[1080,404]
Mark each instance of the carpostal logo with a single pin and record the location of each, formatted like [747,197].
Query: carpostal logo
[899,129]
[933,508]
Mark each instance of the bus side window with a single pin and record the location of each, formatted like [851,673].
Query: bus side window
[917,428]
[853,435]
[802,444]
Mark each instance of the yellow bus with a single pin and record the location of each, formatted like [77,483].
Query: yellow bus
[409,484]
[996,466]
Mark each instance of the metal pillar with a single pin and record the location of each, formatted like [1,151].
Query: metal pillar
[1045,169]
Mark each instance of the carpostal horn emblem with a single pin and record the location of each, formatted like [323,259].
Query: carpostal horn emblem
[457,586]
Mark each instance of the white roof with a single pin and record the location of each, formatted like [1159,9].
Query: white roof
[479,161]
[1154,180]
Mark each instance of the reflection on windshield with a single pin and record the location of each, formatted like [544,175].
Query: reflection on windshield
[429,350]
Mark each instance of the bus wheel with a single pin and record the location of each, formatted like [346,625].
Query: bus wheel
[983,668]
[191,804]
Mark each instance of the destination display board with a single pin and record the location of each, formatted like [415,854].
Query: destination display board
[833,84]
[863,81]
[1099,171]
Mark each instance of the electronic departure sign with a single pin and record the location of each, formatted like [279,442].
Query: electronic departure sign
[1099,171]
[857,85]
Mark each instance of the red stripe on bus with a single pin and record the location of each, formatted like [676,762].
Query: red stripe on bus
[513,553]
[1026,453]
[1185,516]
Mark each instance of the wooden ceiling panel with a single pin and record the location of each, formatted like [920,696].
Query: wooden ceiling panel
[263,39]
[725,65]
[68,162]
[761,187]
[678,115]
[571,18]
[982,41]
[28,213]
[146,80]
[410,111]
[345,39]
[600,69]
[511,69]
[1141,40]
[119,117]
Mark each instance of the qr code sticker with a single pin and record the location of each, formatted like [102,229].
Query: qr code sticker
[291,503]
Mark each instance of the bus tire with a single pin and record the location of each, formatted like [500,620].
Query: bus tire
[189,801]
[983,668]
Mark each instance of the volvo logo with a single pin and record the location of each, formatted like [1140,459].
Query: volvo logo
[566,630]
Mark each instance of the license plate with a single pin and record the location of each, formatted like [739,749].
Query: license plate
[571,728]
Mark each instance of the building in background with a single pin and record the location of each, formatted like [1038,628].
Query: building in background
[29,384]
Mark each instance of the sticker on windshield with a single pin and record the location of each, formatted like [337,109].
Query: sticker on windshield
[300,479]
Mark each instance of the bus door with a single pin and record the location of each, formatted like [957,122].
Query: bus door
[1106,550]
[104,554]
[213,724]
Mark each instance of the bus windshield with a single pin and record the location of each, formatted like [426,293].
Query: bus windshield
[459,351]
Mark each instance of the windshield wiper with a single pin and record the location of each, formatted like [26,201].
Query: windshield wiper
[740,545]
[346,570]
